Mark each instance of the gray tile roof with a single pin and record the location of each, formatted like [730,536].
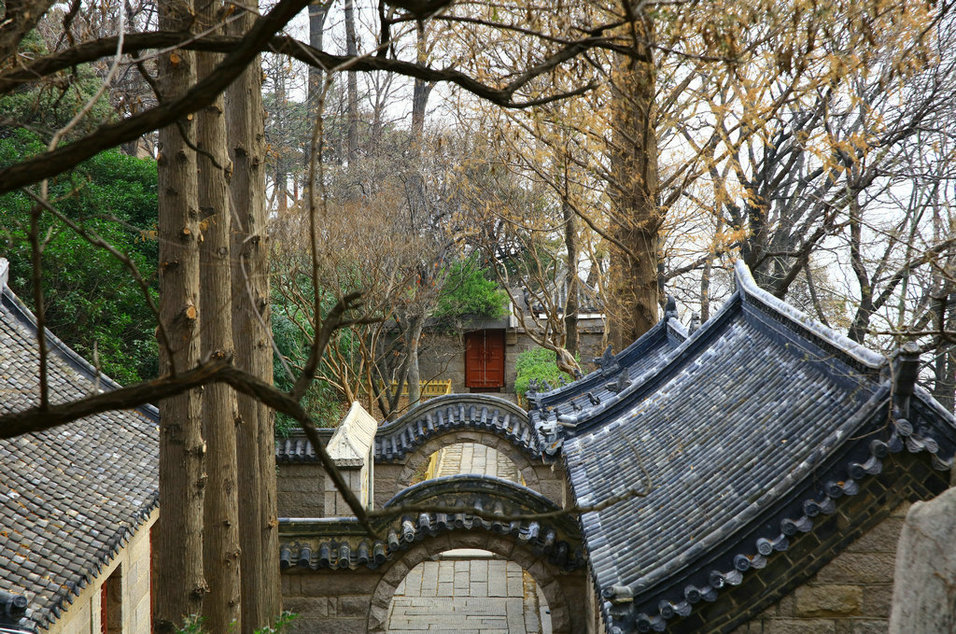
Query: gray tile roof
[614,374]
[726,449]
[70,497]
[396,439]
[343,543]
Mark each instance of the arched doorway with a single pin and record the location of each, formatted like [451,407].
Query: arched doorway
[547,590]
[469,590]
[469,458]
[338,577]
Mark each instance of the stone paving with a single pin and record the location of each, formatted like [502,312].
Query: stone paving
[469,591]
[475,459]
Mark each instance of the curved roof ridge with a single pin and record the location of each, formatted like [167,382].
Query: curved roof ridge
[861,354]
[673,323]
[930,401]
[658,333]
[670,322]
[416,413]
[430,509]
[470,483]
[444,414]
[643,383]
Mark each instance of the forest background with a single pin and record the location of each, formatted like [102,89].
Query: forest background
[304,218]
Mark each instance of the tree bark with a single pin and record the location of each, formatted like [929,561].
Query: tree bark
[705,290]
[571,307]
[318,12]
[351,49]
[221,608]
[861,320]
[415,326]
[282,176]
[632,304]
[421,90]
[181,584]
[258,531]
[944,385]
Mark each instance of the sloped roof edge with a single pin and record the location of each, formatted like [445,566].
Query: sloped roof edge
[644,609]
[745,282]
[19,310]
[354,438]
[659,334]
[652,376]
[747,292]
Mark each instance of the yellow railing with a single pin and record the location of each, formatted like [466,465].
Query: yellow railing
[429,388]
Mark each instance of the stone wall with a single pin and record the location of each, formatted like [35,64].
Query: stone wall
[132,567]
[850,595]
[333,602]
[300,490]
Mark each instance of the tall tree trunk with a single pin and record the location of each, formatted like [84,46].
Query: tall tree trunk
[861,320]
[421,91]
[221,608]
[351,49]
[415,326]
[705,290]
[282,177]
[416,199]
[318,12]
[258,531]
[571,307]
[633,303]
[181,584]
[944,385]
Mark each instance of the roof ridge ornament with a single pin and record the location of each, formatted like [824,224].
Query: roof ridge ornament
[670,309]
[607,362]
[694,323]
[621,384]
[13,607]
[904,370]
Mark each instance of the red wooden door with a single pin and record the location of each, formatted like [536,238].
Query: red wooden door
[485,360]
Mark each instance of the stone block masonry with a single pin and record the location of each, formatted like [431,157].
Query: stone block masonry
[851,594]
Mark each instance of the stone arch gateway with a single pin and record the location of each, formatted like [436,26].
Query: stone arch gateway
[415,461]
[456,412]
[403,446]
[559,588]
[341,579]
